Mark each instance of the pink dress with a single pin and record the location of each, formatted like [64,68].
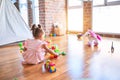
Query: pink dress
[34,53]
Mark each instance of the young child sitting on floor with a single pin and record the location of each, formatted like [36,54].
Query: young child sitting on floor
[36,48]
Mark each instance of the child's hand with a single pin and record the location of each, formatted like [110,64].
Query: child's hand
[52,56]
[56,55]
[25,49]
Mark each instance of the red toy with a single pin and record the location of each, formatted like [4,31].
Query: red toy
[53,56]
[50,66]
[53,47]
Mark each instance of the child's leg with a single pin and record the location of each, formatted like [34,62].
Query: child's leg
[47,56]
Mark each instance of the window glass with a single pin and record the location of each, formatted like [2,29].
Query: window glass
[98,2]
[74,2]
[24,10]
[13,1]
[112,0]
[106,19]
[35,12]
[75,15]
[75,19]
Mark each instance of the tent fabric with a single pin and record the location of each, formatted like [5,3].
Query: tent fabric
[12,26]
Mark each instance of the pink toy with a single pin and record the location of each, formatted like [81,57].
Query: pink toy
[50,66]
[93,38]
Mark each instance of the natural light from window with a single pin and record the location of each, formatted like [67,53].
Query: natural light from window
[23,10]
[35,7]
[75,15]
[74,2]
[98,2]
[106,19]
[112,0]
[75,19]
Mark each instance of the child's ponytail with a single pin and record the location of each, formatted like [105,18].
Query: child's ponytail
[33,29]
[36,30]
[39,26]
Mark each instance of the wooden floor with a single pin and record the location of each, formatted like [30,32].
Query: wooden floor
[80,63]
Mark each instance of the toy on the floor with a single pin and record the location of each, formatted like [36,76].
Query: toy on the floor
[53,34]
[79,36]
[112,48]
[93,38]
[53,56]
[57,50]
[63,53]
[50,66]
[20,44]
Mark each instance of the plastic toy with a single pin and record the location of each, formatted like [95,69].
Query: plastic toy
[56,49]
[51,34]
[63,53]
[54,35]
[53,56]
[93,38]
[112,48]
[53,47]
[79,36]
[21,47]
[50,66]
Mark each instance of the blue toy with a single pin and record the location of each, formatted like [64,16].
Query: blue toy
[50,66]
[54,35]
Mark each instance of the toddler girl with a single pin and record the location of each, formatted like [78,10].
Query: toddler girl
[36,48]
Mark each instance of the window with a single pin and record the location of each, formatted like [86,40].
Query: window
[24,10]
[112,0]
[75,19]
[74,3]
[35,7]
[98,2]
[75,15]
[106,19]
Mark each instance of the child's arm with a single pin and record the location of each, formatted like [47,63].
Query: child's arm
[49,50]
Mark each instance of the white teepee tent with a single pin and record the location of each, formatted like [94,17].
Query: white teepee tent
[12,26]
